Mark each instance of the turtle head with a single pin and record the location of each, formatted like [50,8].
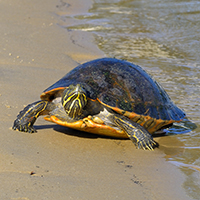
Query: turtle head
[73,100]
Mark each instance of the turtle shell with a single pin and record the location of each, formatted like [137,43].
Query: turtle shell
[125,88]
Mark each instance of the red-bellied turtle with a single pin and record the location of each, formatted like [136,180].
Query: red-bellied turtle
[105,96]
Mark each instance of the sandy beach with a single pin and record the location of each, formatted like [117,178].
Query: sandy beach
[57,163]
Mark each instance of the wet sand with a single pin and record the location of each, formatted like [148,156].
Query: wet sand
[56,162]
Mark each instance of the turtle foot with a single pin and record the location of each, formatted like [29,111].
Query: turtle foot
[23,127]
[27,117]
[147,144]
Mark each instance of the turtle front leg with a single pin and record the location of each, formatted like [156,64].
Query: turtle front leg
[138,134]
[27,117]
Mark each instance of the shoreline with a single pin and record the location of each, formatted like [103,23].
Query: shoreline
[55,162]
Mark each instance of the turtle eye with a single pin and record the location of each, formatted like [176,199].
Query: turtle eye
[73,102]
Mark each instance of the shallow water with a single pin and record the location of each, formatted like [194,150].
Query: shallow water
[162,37]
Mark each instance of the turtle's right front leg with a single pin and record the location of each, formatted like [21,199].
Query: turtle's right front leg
[27,117]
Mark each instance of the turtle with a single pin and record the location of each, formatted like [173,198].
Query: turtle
[105,96]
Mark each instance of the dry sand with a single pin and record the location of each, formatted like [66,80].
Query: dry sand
[58,163]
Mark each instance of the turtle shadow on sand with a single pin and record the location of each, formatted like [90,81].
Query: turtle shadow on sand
[73,132]
[170,147]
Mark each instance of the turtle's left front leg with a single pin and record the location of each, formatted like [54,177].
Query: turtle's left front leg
[138,134]
[27,117]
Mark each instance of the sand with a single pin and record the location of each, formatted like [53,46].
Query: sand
[57,163]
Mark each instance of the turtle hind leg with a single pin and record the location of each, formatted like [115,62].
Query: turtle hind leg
[138,134]
[27,117]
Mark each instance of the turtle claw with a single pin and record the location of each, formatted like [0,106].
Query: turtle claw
[32,130]
[23,127]
[147,145]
